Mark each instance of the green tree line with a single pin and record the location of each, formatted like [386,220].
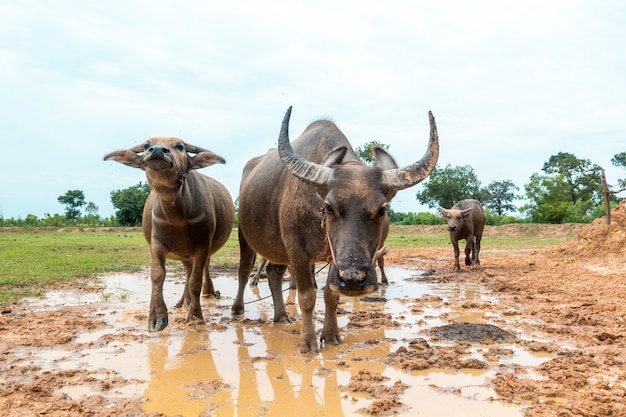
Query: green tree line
[567,190]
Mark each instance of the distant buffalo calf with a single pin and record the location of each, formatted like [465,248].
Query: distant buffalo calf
[466,220]
[187,216]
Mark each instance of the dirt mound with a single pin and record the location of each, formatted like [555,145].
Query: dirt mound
[533,230]
[599,239]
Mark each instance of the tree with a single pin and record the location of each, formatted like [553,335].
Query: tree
[365,151]
[579,176]
[445,187]
[73,201]
[499,195]
[619,160]
[92,212]
[569,190]
[129,203]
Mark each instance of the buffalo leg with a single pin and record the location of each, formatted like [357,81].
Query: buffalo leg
[330,331]
[257,275]
[208,290]
[306,300]
[246,262]
[381,266]
[195,287]
[457,252]
[477,251]
[292,279]
[275,275]
[469,249]
[185,299]
[157,319]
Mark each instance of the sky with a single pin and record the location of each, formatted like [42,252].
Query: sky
[509,83]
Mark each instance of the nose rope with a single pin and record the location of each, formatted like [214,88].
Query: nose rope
[332,250]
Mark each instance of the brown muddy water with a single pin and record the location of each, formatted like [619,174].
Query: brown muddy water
[251,366]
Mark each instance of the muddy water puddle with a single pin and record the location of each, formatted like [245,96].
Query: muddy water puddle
[251,366]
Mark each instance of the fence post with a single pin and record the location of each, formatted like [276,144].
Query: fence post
[605,193]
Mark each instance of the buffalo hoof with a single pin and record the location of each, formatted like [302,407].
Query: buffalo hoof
[158,325]
[237,310]
[214,294]
[191,320]
[331,339]
[285,319]
[307,347]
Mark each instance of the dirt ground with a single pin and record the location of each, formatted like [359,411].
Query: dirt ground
[572,294]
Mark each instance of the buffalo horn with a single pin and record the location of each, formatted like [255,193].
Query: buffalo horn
[307,171]
[408,176]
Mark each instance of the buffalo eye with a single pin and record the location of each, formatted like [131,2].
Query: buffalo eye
[180,146]
[328,209]
[382,211]
[146,145]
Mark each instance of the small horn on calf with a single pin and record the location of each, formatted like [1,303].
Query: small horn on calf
[408,176]
[305,170]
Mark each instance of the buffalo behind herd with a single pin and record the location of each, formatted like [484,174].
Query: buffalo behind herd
[309,201]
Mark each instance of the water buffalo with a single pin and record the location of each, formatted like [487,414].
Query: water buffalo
[466,220]
[187,216]
[315,202]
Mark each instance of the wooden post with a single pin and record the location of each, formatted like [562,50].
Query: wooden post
[605,193]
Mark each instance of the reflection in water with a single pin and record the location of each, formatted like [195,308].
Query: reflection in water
[251,367]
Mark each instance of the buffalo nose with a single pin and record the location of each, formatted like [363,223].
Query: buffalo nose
[452,227]
[158,150]
[350,277]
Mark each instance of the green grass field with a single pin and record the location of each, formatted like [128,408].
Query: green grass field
[32,260]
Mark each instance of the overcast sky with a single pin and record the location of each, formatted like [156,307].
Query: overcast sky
[509,83]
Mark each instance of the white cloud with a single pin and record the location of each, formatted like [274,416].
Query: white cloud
[509,83]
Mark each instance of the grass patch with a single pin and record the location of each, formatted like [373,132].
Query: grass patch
[494,237]
[35,259]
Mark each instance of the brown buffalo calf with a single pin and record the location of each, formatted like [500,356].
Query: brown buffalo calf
[187,216]
[466,220]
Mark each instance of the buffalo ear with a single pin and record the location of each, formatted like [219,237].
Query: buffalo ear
[335,157]
[443,211]
[382,159]
[205,159]
[465,212]
[127,157]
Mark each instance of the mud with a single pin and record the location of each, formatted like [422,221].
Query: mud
[533,332]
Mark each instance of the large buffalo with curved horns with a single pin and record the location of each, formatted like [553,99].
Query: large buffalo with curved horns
[315,201]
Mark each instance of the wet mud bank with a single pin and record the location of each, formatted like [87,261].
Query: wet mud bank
[533,332]
[393,362]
